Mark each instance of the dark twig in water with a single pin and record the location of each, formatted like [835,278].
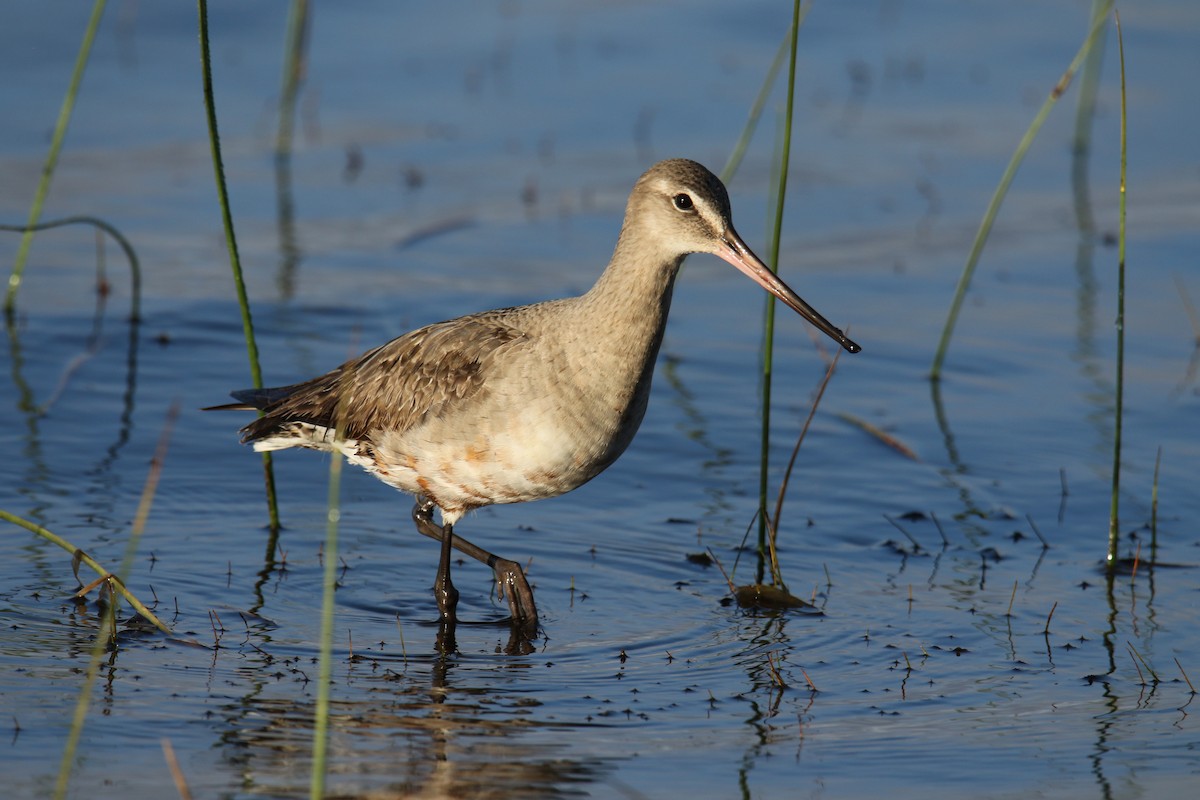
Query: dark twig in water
[874,430]
[1033,526]
[787,473]
[941,532]
[1063,493]
[725,574]
[916,545]
[1153,675]
[1049,617]
[1141,677]
[775,676]
[1186,679]
[1154,508]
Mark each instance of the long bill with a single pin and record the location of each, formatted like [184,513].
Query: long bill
[735,251]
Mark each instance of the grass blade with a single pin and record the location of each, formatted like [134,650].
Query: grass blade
[108,626]
[231,243]
[56,142]
[787,473]
[135,268]
[1113,516]
[989,217]
[81,557]
[769,314]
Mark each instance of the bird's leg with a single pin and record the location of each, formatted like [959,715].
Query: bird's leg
[443,587]
[510,578]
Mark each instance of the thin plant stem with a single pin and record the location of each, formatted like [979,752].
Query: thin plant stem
[769,314]
[294,69]
[1186,679]
[812,412]
[764,91]
[1154,509]
[148,491]
[1113,516]
[81,557]
[989,217]
[135,269]
[231,243]
[328,608]
[293,74]
[1085,114]
[56,142]
[108,625]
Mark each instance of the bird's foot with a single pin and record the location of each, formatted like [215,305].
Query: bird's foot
[513,586]
[422,515]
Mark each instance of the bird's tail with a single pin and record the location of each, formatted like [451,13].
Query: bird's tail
[253,399]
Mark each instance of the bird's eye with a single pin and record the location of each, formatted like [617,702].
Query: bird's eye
[683,201]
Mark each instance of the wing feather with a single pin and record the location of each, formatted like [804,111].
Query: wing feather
[394,386]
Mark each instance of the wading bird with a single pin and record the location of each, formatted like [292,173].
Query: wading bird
[519,403]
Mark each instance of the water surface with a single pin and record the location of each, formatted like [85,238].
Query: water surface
[450,159]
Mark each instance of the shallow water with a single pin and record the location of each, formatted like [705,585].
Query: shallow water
[496,151]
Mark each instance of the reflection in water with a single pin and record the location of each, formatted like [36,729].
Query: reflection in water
[695,426]
[289,249]
[294,69]
[1193,366]
[412,734]
[103,472]
[958,470]
[37,471]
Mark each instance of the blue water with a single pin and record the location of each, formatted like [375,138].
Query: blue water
[452,158]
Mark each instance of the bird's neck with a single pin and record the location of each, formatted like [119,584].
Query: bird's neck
[629,302]
[620,326]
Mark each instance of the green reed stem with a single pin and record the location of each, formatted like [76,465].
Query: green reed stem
[1113,534]
[109,623]
[56,142]
[108,626]
[769,313]
[764,91]
[231,243]
[788,45]
[325,655]
[1085,114]
[989,217]
[81,557]
[135,268]
[293,74]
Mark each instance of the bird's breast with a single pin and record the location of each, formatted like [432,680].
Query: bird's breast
[513,456]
